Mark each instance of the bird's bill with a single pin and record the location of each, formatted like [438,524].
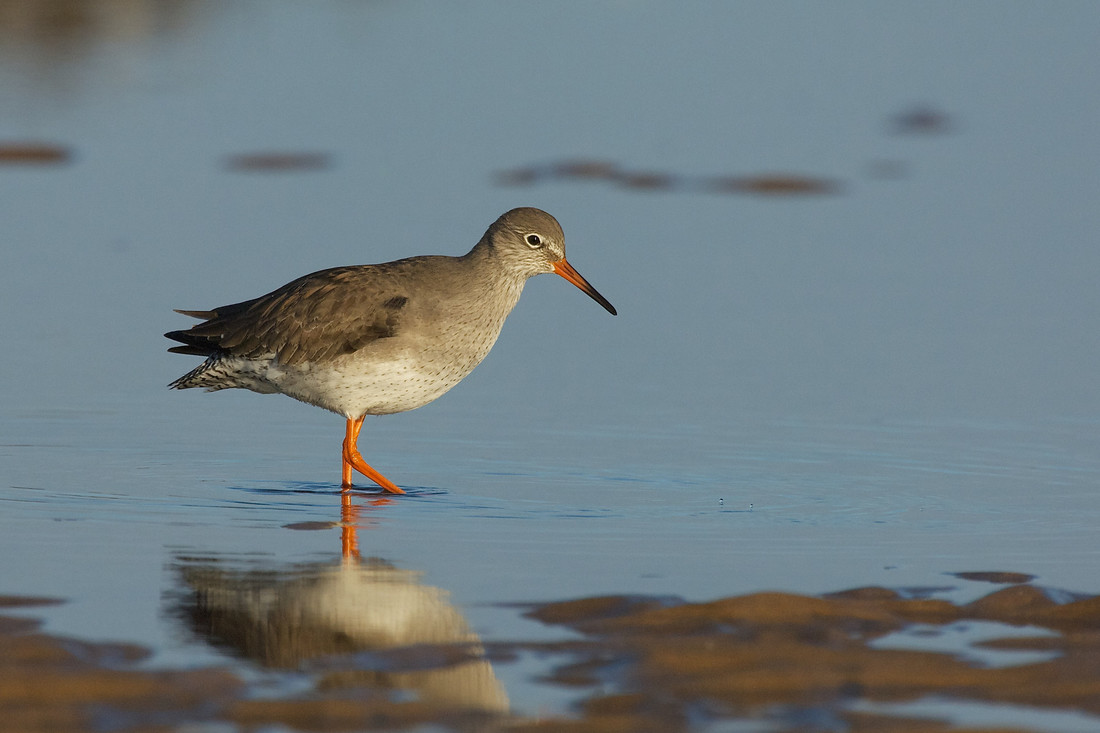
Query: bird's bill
[566,270]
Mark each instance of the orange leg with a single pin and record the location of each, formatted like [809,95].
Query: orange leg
[353,460]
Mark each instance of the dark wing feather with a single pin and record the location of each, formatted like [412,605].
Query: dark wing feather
[201,315]
[318,316]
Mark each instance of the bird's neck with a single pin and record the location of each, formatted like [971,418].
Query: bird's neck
[490,269]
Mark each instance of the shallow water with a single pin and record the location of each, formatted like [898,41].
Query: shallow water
[830,506]
[884,378]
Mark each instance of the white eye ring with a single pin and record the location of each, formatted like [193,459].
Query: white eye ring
[534,241]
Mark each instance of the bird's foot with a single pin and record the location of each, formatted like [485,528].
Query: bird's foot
[353,460]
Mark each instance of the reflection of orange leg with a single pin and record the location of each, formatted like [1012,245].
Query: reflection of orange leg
[349,523]
[349,516]
[352,460]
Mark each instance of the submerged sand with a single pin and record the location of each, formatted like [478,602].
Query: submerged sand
[779,661]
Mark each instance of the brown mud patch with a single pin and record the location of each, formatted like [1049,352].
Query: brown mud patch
[34,153]
[769,661]
[278,161]
[760,184]
[782,659]
[50,683]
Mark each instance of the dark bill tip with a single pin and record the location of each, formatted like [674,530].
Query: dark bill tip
[566,270]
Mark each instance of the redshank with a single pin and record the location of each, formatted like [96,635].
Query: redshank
[377,339]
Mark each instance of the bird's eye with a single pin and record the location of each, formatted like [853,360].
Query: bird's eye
[534,240]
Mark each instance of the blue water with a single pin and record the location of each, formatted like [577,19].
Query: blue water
[879,385]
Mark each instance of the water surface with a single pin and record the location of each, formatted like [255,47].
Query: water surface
[852,252]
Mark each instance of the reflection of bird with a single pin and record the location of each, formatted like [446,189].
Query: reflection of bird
[377,339]
[287,618]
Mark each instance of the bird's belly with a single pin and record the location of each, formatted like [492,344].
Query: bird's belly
[379,388]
